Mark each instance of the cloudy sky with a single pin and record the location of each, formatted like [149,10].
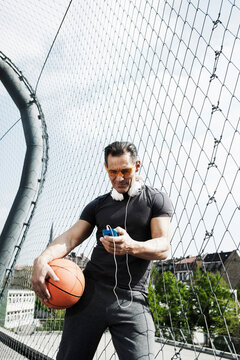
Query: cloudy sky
[162,74]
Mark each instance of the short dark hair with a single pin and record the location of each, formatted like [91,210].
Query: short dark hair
[119,148]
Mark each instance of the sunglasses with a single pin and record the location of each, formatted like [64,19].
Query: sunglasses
[123,172]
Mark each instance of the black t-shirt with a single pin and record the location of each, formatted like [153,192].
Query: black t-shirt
[105,211]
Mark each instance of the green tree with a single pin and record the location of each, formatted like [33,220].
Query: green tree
[51,319]
[238,291]
[168,299]
[212,306]
[204,303]
[55,321]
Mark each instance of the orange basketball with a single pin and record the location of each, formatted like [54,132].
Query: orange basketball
[68,290]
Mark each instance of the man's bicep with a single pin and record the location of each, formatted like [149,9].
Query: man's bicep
[80,231]
[160,227]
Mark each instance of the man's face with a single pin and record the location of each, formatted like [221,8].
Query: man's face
[122,171]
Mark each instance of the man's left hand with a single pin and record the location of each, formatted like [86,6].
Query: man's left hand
[118,245]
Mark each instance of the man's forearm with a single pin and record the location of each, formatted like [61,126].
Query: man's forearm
[59,248]
[153,249]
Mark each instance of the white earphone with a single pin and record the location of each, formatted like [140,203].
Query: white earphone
[134,190]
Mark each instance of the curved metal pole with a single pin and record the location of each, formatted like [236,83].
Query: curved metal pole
[29,184]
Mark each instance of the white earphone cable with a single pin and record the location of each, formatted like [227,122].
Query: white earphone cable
[127,264]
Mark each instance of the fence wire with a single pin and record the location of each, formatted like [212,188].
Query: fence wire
[164,75]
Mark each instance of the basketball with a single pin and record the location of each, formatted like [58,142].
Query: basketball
[69,289]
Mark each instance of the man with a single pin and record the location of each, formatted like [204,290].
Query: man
[117,275]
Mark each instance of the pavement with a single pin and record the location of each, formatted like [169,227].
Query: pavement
[48,343]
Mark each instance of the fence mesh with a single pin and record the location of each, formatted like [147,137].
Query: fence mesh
[164,75]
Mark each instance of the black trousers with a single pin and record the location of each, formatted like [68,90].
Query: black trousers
[131,327]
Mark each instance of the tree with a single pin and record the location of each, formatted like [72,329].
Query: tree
[217,310]
[52,319]
[212,305]
[238,291]
[168,299]
[204,303]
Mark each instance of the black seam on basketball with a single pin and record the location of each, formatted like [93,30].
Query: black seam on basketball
[62,267]
[66,292]
[58,307]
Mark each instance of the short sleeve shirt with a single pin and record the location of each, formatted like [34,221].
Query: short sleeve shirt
[134,215]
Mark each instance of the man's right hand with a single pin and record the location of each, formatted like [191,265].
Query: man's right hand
[59,248]
[41,272]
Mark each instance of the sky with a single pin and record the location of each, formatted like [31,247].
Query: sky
[162,74]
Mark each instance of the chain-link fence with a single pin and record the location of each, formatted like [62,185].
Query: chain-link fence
[164,75]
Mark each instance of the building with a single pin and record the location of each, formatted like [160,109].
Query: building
[21,278]
[80,260]
[227,263]
[182,268]
[185,268]
[19,308]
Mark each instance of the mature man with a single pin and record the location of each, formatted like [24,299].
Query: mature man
[117,275]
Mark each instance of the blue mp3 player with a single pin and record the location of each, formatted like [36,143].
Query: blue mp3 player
[109,232]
